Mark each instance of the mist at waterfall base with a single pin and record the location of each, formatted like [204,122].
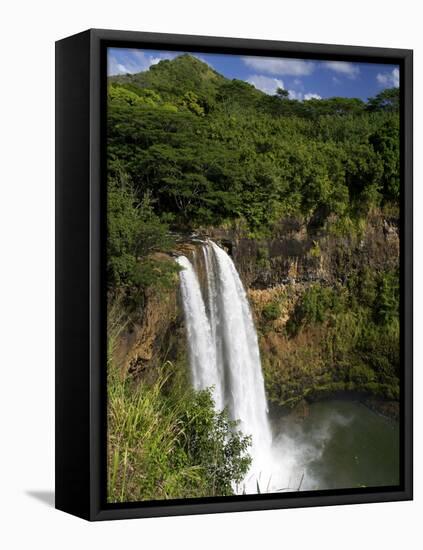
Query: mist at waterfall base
[287,455]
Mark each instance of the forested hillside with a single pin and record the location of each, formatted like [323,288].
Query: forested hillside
[213,151]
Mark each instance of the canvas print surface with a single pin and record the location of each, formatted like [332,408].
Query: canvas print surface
[252,275]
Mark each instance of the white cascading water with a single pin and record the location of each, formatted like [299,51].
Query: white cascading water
[213,312]
[201,347]
[224,353]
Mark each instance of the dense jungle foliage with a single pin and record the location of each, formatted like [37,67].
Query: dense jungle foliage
[190,149]
[339,338]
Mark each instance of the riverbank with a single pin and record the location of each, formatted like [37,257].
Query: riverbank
[383,407]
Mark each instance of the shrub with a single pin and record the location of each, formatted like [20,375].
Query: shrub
[271,311]
[314,307]
[135,233]
[164,443]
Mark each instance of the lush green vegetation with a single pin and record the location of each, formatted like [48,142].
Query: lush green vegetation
[271,311]
[168,445]
[166,440]
[135,236]
[210,150]
[341,338]
[189,149]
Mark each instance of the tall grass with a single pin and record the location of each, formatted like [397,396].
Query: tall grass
[166,440]
[145,436]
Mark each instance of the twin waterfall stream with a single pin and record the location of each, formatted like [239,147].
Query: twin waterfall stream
[224,353]
[340,444]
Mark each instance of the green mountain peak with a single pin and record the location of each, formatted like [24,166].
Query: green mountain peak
[175,77]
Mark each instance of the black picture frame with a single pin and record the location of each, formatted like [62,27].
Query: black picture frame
[80,274]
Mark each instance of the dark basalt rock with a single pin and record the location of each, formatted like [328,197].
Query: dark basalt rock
[297,252]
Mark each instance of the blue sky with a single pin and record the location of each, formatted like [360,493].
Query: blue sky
[303,78]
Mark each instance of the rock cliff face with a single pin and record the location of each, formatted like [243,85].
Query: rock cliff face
[157,333]
[156,337]
[300,253]
[276,273]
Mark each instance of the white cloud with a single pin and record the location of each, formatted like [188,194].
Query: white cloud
[295,95]
[389,79]
[130,61]
[155,60]
[266,84]
[343,67]
[114,67]
[312,96]
[277,66]
[303,97]
[269,85]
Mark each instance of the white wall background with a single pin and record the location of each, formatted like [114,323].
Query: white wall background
[28,31]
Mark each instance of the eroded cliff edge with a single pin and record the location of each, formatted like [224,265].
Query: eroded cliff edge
[323,303]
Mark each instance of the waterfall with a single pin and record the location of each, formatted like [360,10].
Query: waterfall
[201,348]
[224,352]
[213,312]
